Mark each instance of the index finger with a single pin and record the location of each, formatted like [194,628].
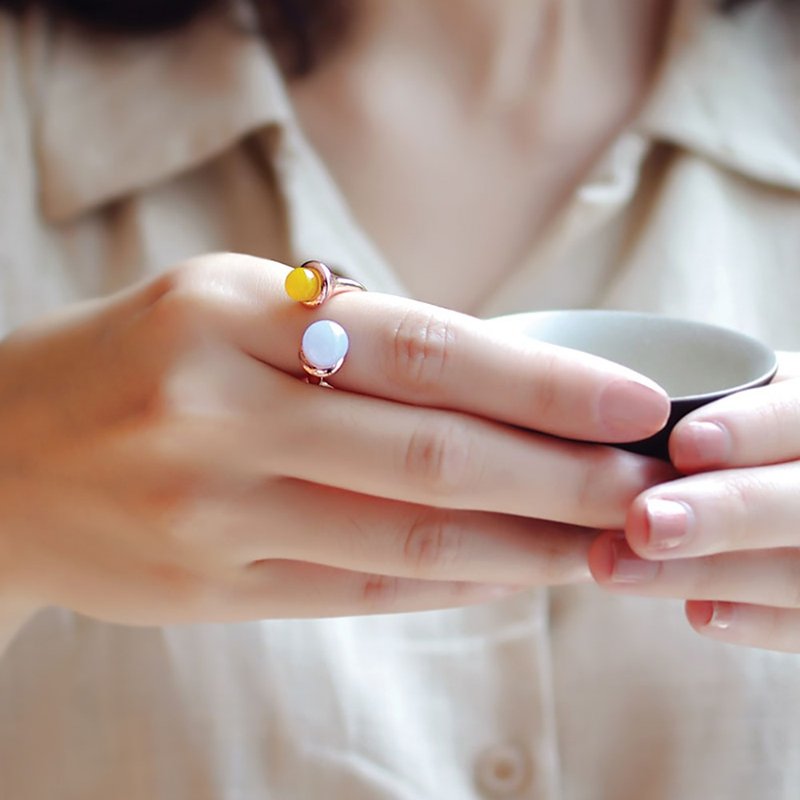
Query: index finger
[421,354]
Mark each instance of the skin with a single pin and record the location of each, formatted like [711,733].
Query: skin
[732,547]
[457,131]
[528,142]
[164,462]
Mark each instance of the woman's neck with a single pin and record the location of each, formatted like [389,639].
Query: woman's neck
[503,53]
[457,131]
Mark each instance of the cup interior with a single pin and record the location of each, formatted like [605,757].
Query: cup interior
[693,361]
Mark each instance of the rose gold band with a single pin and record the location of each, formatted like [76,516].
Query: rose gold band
[330,283]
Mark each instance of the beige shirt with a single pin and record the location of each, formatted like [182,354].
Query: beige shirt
[118,161]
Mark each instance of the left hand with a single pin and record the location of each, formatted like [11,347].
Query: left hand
[727,535]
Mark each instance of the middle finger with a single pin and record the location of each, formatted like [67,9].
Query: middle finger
[451,460]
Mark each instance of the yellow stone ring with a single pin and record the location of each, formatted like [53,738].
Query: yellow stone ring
[313,283]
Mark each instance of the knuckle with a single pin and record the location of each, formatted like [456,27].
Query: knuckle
[432,543]
[147,348]
[181,587]
[738,498]
[422,345]
[605,481]
[172,503]
[543,383]
[604,486]
[178,518]
[167,332]
[158,409]
[202,270]
[777,423]
[176,337]
[188,294]
[439,458]
[177,308]
[380,592]
[587,484]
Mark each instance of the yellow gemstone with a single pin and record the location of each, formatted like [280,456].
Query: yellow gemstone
[303,284]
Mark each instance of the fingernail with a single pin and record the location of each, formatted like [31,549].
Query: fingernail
[632,409]
[721,615]
[627,567]
[703,443]
[667,523]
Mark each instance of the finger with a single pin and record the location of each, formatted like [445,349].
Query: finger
[749,625]
[258,423]
[444,459]
[788,365]
[769,577]
[302,522]
[293,589]
[759,426]
[425,355]
[744,509]
[429,356]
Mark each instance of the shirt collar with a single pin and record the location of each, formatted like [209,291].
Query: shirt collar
[730,89]
[119,117]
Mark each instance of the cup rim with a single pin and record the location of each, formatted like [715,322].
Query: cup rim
[700,398]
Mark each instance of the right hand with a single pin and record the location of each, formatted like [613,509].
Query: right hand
[161,460]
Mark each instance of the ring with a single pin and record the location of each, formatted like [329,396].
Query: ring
[313,283]
[323,349]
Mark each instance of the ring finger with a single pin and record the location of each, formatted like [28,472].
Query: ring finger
[447,459]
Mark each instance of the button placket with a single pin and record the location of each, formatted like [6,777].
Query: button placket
[503,770]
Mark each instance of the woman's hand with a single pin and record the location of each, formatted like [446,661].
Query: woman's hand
[161,459]
[728,537]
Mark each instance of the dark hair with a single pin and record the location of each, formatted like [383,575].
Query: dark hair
[300,31]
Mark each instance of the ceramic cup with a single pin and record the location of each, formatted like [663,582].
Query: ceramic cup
[694,362]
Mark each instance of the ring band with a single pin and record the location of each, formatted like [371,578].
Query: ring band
[313,282]
[323,350]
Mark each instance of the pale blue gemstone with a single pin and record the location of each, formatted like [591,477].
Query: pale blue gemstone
[325,344]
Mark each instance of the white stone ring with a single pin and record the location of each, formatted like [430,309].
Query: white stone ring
[323,350]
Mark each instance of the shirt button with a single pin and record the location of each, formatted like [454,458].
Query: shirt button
[503,770]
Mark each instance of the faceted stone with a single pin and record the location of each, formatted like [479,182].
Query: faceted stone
[325,344]
[302,284]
